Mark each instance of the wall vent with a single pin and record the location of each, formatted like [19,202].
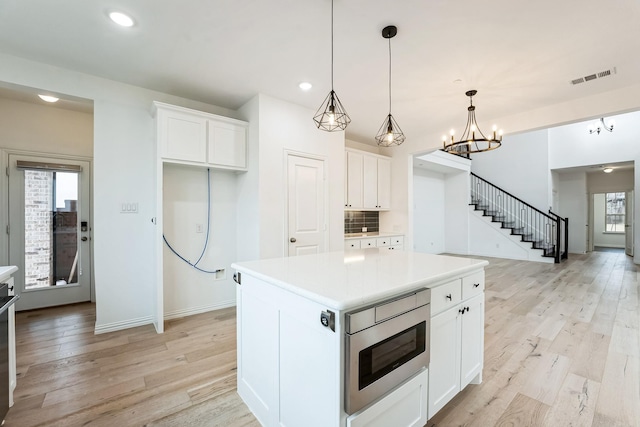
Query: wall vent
[595,76]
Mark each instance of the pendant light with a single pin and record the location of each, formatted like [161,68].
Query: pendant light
[468,142]
[389,133]
[331,115]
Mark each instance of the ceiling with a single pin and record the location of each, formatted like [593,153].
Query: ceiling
[519,55]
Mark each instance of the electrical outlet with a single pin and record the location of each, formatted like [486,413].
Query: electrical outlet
[199,228]
[364,229]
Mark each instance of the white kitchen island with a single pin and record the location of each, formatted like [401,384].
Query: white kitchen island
[291,366]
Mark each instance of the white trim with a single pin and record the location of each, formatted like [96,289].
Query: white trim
[124,324]
[198,310]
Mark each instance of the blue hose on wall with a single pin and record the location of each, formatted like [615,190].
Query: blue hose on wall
[206,241]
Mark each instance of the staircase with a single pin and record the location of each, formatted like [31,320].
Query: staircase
[545,232]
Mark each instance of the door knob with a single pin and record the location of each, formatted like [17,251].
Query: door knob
[292,240]
[83,238]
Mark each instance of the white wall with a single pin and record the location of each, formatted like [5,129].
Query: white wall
[573,204]
[600,238]
[572,146]
[45,129]
[282,128]
[248,200]
[186,290]
[429,211]
[520,166]
[457,213]
[123,152]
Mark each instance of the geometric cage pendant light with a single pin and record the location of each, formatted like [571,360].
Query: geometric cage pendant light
[389,133]
[331,116]
[472,139]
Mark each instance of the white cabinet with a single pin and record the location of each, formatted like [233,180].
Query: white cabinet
[389,242]
[384,183]
[12,343]
[457,338]
[367,181]
[281,341]
[226,144]
[193,137]
[353,180]
[405,407]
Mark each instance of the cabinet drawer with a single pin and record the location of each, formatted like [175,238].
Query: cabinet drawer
[368,243]
[352,244]
[382,242]
[396,248]
[397,240]
[472,285]
[445,296]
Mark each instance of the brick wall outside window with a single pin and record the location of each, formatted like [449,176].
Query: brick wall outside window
[38,228]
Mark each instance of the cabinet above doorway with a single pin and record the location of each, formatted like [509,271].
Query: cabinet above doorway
[193,137]
[367,181]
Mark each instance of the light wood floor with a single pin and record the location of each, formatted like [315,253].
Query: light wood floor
[562,348]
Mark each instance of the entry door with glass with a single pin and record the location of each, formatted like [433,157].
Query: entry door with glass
[49,230]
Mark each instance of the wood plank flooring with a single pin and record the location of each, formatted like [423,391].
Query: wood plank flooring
[562,348]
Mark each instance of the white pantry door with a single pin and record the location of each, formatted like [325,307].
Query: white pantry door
[305,205]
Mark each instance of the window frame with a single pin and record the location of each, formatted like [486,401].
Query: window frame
[609,225]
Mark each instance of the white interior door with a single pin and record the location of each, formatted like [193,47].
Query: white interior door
[305,205]
[49,230]
[628,226]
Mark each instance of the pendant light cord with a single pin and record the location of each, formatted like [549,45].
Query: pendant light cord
[331,45]
[389,76]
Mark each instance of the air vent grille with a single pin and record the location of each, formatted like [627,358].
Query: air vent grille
[595,76]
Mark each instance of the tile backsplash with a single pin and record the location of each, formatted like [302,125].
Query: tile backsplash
[355,220]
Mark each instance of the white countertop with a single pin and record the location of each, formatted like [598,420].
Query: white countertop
[372,234]
[6,271]
[346,280]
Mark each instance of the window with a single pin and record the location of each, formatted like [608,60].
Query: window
[614,212]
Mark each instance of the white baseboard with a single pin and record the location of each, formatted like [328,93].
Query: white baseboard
[125,324]
[197,310]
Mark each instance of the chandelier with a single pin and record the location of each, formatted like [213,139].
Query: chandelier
[472,139]
[599,125]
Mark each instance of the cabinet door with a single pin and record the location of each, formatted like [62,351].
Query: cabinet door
[444,366]
[472,340]
[182,136]
[227,145]
[12,342]
[370,182]
[404,407]
[354,180]
[384,184]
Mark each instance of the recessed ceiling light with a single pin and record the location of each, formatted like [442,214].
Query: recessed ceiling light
[48,98]
[457,81]
[607,170]
[121,19]
[305,86]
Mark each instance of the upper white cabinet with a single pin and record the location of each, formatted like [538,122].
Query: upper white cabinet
[353,180]
[193,137]
[367,181]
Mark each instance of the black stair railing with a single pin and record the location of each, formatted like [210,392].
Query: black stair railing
[562,238]
[543,231]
